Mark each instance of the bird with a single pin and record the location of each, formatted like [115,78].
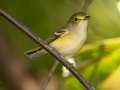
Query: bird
[68,40]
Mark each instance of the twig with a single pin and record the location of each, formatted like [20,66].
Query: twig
[85,5]
[50,74]
[51,50]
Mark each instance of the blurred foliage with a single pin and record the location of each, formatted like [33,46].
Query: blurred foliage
[112,82]
[97,60]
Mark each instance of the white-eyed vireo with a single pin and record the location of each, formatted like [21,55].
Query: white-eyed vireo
[68,40]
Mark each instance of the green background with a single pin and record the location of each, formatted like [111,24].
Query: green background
[46,16]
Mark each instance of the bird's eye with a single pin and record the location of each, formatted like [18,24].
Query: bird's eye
[75,19]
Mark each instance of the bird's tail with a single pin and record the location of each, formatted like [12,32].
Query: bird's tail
[34,53]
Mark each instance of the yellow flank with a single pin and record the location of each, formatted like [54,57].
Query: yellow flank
[67,44]
[62,40]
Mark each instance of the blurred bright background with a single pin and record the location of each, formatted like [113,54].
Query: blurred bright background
[99,60]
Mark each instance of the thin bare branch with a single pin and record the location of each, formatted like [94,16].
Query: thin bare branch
[85,4]
[50,74]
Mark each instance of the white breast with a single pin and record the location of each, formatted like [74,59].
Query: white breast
[77,39]
[74,45]
[74,41]
[71,45]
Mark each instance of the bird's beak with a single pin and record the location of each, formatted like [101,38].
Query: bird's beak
[87,17]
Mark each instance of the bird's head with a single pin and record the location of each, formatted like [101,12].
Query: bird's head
[78,19]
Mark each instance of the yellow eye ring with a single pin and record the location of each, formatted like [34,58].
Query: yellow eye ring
[81,17]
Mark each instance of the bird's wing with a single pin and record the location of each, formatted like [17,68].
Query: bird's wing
[56,35]
[35,52]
